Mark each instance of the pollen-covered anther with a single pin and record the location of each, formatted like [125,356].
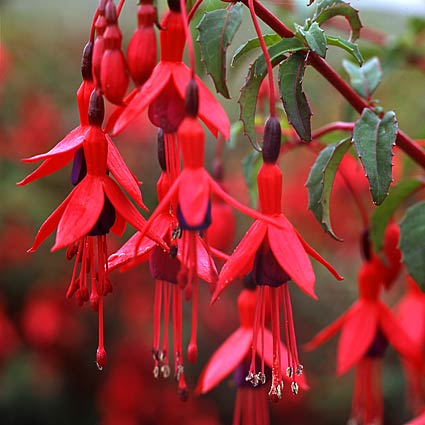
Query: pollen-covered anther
[294,388]
[155,372]
[165,371]
[272,140]
[300,369]
[289,372]
[179,372]
[275,393]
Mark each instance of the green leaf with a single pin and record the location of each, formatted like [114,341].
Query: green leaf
[250,166]
[254,43]
[320,181]
[382,215]
[412,237]
[349,47]
[364,79]
[327,9]
[291,73]
[374,139]
[257,72]
[315,38]
[277,53]
[216,32]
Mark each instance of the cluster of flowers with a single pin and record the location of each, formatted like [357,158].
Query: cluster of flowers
[175,238]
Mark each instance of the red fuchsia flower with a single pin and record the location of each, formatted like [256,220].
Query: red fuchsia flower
[235,355]
[366,329]
[72,145]
[410,312]
[95,206]
[165,269]
[274,255]
[142,48]
[164,91]
[114,76]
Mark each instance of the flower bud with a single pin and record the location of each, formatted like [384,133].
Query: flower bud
[86,62]
[98,47]
[191,104]
[271,143]
[96,109]
[142,48]
[114,77]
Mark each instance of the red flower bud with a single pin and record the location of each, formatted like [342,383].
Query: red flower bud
[98,47]
[114,76]
[113,69]
[142,49]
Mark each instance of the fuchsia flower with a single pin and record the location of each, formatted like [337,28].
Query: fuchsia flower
[94,206]
[366,329]
[164,91]
[235,355]
[274,255]
[165,269]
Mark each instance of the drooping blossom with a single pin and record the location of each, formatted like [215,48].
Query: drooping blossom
[94,207]
[366,330]
[164,91]
[165,269]
[274,255]
[235,355]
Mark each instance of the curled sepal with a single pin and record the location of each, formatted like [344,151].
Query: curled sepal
[320,181]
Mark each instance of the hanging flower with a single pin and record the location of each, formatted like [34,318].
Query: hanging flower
[236,350]
[366,329]
[164,91]
[95,206]
[274,255]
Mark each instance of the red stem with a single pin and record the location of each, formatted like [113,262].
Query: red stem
[119,7]
[93,29]
[188,37]
[403,141]
[193,10]
[266,57]
[333,126]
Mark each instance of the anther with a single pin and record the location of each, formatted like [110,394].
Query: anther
[294,388]
[176,233]
[275,393]
[289,372]
[165,371]
[155,372]
[300,369]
